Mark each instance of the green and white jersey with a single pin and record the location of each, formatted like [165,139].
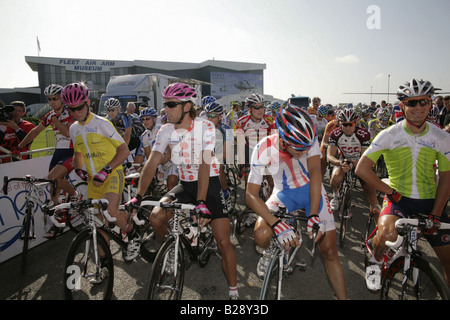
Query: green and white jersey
[410,158]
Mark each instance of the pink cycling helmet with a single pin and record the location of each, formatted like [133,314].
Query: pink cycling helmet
[75,93]
[180,91]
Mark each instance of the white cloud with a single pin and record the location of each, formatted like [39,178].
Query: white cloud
[348,59]
[381,75]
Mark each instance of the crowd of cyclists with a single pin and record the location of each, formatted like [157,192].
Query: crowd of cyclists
[297,149]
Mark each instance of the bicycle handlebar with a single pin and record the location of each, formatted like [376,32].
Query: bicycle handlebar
[168,205]
[412,222]
[29,179]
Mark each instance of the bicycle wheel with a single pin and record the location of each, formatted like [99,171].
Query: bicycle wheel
[232,189]
[84,278]
[77,219]
[423,282]
[25,236]
[241,219]
[167,279]
[344,214]
[270,289]
[150,242]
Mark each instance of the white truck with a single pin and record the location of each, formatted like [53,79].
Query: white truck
[142,88]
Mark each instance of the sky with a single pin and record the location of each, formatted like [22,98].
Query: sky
[319,48]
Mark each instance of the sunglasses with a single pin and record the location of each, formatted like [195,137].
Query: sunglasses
[52,99]
[173,104]
[146,118]
[79,108]
[212,115]
[349,124]
[111,109]
[257,108]
[413,103]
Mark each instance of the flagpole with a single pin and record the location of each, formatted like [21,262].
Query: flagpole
[38,46]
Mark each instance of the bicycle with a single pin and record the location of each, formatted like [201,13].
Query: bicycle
[282,261]
[184,240]
[33,194]
[345,204]
[86,276]
[405,274]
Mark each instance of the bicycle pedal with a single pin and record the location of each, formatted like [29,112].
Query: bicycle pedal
[301,265]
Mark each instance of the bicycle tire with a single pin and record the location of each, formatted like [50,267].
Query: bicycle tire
[430,286]
[344,211]
[76,219]
[79,267]
[242,216]
[270,286]
[26,238]
[162,272]
[232,189]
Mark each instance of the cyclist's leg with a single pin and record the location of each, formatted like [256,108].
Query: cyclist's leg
[386,229]
[328,248]
[337,176]
[370,193]
[221,231]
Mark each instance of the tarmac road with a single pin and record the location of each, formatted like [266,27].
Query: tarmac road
[43,280]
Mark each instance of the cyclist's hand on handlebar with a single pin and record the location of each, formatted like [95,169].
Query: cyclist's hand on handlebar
[315,220]
[133,203]
[346,165]
[434,222]
[203,212]
[394,197]
[285,234]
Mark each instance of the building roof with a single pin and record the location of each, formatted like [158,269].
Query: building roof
[34,61]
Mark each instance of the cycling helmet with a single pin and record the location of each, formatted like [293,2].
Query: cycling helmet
[384,114]
[347,115]
[415,88]
[208,99]
[53,90]
[254,98]
[74,94]
[296,127]
[180,91]
[322,111]
[214,107]
[275,107]
[149,111]
[112,103]
[434,112]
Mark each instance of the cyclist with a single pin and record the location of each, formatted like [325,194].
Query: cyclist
[365,117]
[273,109]
[167,169]
[433,116]
[61,163]
[292,158]
[101,150]
[224,139]
[191,140]
[410,149]
[381,122]
[121,122]
[253,127]
[331,125]
[315,105]
[351,141]
[233,115]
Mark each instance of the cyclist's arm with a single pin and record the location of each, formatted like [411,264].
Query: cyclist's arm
[127,135]
[442,193]
[31,135]
[120,157]
[257,204]
[63,128]
[78,160]
[331,151]
[365,172]
[315,183]
[148,172]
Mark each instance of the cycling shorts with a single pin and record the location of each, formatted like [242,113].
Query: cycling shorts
[298,198]
[62,157]
[186,192]
[408,207]
[114,183]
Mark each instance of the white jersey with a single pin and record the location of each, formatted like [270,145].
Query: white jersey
[149,136]
[187,145]
[287,172]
